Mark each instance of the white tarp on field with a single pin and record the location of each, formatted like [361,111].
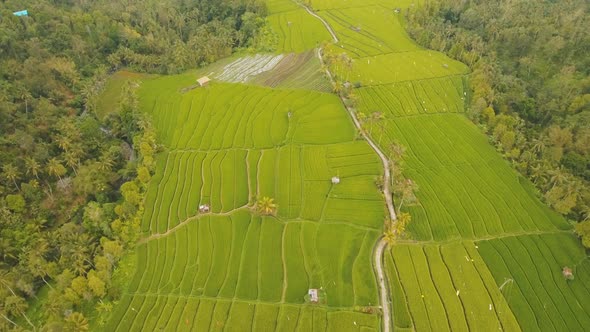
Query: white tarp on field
[247,67]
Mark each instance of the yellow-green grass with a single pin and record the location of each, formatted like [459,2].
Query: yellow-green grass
[402,67]
[388,5]
[226,145]
[437,95]
[297,31]
[369,30]
[445,287]
[529,270]
[466,190]
[239,259]
[279,6]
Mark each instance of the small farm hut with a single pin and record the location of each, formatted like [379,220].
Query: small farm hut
[568,273]
[335,180]
[313,295]
[204,208]
[203,81]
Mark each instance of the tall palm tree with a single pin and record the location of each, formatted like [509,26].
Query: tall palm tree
[77,322]
[266,206]
[11,173]
[72,159]
[539,146]
[55,168]
[538,173]
[338,87]
[32,166]
[389,237]
[557,177]
[64,142]
[106,162]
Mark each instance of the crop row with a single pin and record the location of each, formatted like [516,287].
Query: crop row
[439,95]
[387,5]
[224,116]
[177,313]
[296,71]
[403,66]
[445,288]
[279,6]
[242,257]
[529,271]
[465,189]
[369,30]
[243,69]
[297,31]
[297,177]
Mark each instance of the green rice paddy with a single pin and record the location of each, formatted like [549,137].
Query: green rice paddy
[482,253]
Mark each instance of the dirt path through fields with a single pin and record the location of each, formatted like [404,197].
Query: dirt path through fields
[379,248]
[328,27]
[381,244]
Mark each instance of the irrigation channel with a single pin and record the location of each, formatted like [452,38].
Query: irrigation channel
[379,248]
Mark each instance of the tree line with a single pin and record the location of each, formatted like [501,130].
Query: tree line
[530,85]
[71,183]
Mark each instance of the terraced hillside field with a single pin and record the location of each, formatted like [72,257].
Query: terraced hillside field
[296,30]
[231,269]
[477,223]
[482,252]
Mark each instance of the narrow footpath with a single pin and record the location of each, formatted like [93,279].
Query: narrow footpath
[379,248]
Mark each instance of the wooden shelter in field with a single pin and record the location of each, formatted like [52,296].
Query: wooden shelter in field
[203,81]
[204,208]
[313,295]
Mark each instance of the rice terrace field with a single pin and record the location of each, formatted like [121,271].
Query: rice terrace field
[481,253]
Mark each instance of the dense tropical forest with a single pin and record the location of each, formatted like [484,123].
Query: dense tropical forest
[71,182]
[531,86]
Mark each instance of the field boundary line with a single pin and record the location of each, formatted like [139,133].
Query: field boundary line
[485,238]
[186,221]
[236,299]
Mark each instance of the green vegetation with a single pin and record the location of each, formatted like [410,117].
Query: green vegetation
[368,30]
[530,83]
[297,31]
[224,149]
[73,165]
[142,202]
[438,278]
[529,270]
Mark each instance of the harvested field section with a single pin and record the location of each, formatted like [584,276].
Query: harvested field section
[245,68]
[296,71]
